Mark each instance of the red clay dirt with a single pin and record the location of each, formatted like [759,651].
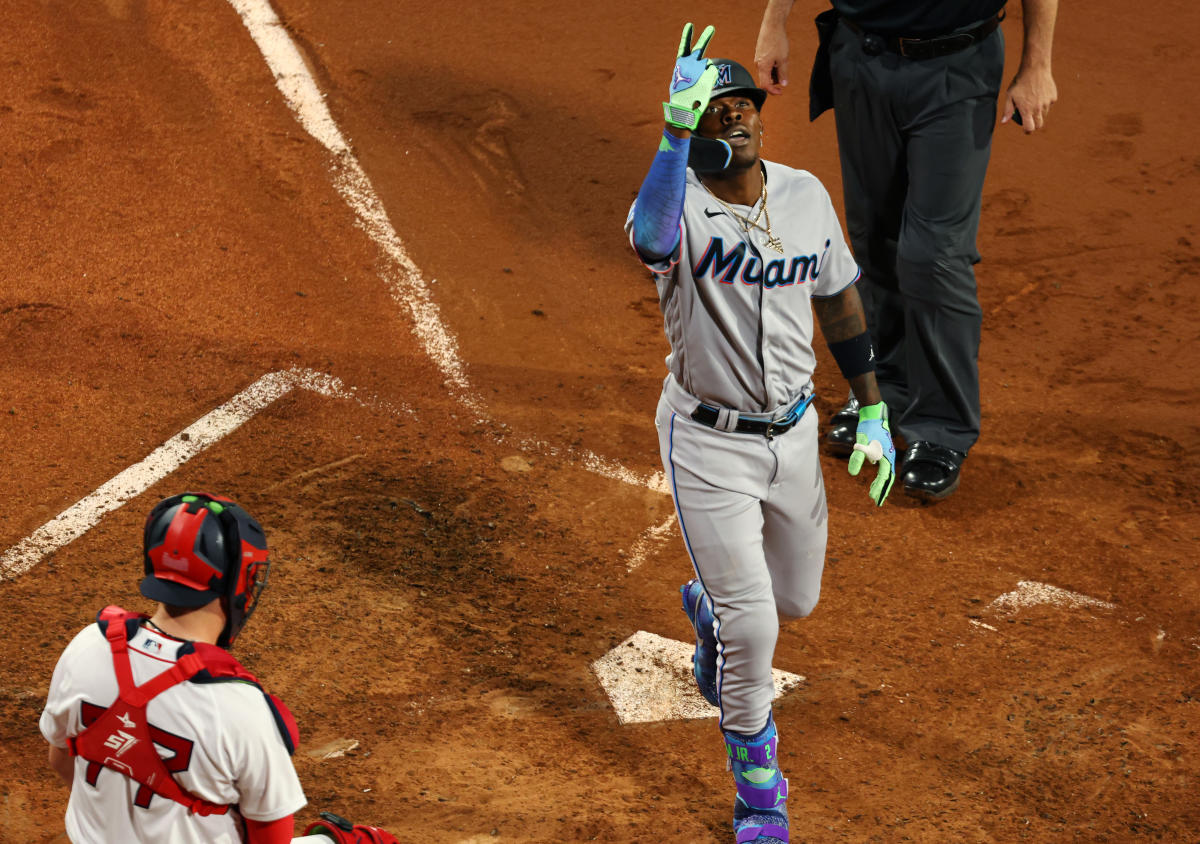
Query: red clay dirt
[443,579]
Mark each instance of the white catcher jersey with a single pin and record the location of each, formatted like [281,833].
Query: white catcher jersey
[736,312]
[225,731]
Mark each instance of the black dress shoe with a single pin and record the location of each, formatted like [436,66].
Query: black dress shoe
[931,470]
[843,426]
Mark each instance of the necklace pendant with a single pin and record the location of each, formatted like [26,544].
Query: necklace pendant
[775,243]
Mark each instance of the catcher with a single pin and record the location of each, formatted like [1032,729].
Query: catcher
[159,732]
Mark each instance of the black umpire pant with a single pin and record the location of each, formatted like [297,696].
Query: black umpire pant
[914,138]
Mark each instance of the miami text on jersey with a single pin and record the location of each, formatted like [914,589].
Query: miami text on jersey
[725,266]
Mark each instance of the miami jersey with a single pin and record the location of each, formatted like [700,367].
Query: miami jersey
[219,740]
[736,312]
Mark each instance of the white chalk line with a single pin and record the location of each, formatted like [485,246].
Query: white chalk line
[403,278]
[655,481]
[80,517]
[592,462]
[201,435]
[645,544]
[404,282]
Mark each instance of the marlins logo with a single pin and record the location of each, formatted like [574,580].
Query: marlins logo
[724,75]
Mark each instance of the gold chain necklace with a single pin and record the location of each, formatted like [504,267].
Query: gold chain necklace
[747,224]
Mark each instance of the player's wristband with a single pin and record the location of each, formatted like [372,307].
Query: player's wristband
[855,356]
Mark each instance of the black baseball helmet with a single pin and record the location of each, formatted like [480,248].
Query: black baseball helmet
[732,78]
[709,155]
[198,547]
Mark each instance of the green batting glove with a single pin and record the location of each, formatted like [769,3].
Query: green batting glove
[692,82]
[874,437]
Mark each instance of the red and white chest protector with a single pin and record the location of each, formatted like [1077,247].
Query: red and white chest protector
[121,738]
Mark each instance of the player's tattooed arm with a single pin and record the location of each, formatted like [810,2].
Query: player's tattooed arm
[842,318]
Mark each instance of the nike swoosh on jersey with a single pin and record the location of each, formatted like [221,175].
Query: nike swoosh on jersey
[708,212]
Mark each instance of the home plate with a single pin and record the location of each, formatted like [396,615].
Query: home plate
[649,678]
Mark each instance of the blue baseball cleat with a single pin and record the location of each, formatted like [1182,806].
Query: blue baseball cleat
[698,607]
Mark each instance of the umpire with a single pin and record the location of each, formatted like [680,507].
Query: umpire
[914,88]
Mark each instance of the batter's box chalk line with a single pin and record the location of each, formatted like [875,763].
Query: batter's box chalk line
[202,434]
[205,432]
[649,678]
[400,274]
[403,278]
[645,544]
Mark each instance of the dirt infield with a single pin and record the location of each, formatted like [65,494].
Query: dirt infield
[459,532]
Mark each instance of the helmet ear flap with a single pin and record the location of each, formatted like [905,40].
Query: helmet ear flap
[248,568]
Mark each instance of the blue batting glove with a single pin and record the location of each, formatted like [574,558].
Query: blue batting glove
[692,81]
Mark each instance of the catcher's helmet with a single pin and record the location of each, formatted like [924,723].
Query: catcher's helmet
[732,78]
[197,547]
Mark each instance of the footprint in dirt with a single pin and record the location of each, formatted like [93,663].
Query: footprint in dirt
[30,315]
[1119,129]
[647,306]
[62,99]
[1007,203]
[1127,125]
[481,125]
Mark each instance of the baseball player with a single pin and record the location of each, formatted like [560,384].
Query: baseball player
[744,251]
[161,735]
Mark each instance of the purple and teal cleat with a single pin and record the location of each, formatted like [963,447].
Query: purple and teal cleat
[760,809]
[698,607]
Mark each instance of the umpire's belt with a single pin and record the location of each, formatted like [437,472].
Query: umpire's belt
[724,419]
[924,48]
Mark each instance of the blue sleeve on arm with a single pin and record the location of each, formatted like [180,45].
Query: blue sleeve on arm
[659,203]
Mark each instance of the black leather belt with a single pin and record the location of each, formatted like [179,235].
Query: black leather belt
[711,416]
[924,48]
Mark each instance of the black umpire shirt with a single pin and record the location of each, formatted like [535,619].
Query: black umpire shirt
[918,18]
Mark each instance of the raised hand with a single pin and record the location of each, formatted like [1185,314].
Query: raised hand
[692,81]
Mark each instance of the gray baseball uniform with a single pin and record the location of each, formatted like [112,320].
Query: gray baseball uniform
[751,507]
